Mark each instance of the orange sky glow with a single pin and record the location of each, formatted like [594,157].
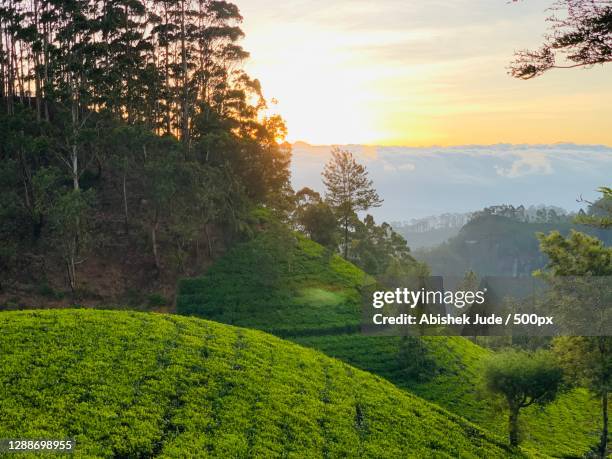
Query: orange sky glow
[399,72]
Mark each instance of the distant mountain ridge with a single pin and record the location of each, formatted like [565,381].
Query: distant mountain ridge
[422,233]
[496,245]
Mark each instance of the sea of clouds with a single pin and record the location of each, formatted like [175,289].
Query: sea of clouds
[420,181]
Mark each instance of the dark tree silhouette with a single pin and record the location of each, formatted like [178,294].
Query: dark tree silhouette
[580,35]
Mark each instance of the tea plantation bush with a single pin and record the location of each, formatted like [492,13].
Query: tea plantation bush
[146,385]
[291,286]
[566,428]
[279,282]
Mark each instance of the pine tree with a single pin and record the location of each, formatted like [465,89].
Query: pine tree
[348,190]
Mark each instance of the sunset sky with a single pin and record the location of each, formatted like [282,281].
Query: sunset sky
[426,72]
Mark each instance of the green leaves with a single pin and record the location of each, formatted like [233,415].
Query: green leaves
[523,379]
[149,385]
[577,255]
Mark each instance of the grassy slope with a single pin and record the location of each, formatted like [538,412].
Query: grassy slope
[142,385]
[565,428]
[318,303]
[292,288]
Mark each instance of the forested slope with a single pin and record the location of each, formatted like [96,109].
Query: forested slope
[133,147]
[496,245]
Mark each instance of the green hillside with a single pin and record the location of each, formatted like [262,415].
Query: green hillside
[313,298]
[566,428]
[144,385]
[497,246]
[278,282]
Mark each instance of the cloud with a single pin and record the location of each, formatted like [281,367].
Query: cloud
[416,182]
[406,167]
[403,167]
[529,163]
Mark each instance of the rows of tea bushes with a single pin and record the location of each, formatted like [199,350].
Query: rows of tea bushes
[146,385]
[279,282]
[446,371]
[294,288]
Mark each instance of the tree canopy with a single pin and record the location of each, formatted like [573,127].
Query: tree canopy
[580,35]
[348,189]
[523,379]
[145,106]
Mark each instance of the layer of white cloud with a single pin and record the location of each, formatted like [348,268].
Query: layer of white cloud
[416,182]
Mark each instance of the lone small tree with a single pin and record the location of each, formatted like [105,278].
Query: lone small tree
[582,35]
[349,190]
[523,379]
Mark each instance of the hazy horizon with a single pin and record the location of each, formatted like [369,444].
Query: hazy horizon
[417,182]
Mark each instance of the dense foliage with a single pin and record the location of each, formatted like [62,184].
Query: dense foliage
[584,298]
[379,250]
[375,248]
[522,379]
[145,385]
[128,126]
[316,218]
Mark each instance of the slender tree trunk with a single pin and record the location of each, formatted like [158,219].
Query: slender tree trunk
[27,182]
[38,93]
[37,69]
[128,78]
[75,167]
[154,243]
[10,74]
[20,69]
[167,78]
[603,443]
[208,240]
[46,28]
[513,426]
[74,156]
[71,264]
[2,77]
[346,238]
[185,101]
[125,203]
